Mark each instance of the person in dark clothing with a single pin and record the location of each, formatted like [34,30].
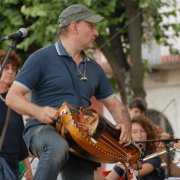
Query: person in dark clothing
[14,148]
[60,73]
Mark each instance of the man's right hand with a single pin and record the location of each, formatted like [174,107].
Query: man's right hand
[46,114]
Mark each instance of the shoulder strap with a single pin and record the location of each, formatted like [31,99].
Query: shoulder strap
[75,86]
[5,127]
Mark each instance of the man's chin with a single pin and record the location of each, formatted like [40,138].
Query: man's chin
[90,46]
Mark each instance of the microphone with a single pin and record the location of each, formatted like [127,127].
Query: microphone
[23,32]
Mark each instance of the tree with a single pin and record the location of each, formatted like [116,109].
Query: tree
[126,25]
[134,34]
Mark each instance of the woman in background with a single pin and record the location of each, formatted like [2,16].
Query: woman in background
[142,130]
[13,149]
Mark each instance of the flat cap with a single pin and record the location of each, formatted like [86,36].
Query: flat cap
[78,12]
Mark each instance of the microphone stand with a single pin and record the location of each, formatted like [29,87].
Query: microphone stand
[12,45]
[168,159]
[168,153]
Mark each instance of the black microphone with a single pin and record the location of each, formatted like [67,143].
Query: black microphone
[19,34]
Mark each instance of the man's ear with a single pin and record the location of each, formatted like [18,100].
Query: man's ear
[74,27]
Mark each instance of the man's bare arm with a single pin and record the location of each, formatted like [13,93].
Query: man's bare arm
[121,116]
[17,101]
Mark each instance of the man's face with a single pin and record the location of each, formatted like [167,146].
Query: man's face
[87,34]
[135,112]
[8,74]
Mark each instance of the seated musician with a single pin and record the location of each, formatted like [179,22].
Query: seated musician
[142,130]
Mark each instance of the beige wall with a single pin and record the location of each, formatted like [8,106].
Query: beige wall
[163,94]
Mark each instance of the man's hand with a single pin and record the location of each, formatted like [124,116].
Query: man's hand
[46,114]
[122,118]
[125,135]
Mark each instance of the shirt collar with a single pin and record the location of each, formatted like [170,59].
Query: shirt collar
[62,52]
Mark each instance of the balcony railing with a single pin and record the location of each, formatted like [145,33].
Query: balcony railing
[170,59]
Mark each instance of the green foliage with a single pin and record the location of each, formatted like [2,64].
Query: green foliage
[154,12]
[41,19]
[9,19]
[11,1]
[113,82]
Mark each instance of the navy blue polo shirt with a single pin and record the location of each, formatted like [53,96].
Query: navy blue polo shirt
[46,74]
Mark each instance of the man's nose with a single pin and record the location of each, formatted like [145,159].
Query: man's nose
[96,32]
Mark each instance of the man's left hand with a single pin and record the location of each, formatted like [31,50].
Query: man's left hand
[125,135]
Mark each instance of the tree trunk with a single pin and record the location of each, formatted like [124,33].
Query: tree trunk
[134,31]
[113,50]
[117,61]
